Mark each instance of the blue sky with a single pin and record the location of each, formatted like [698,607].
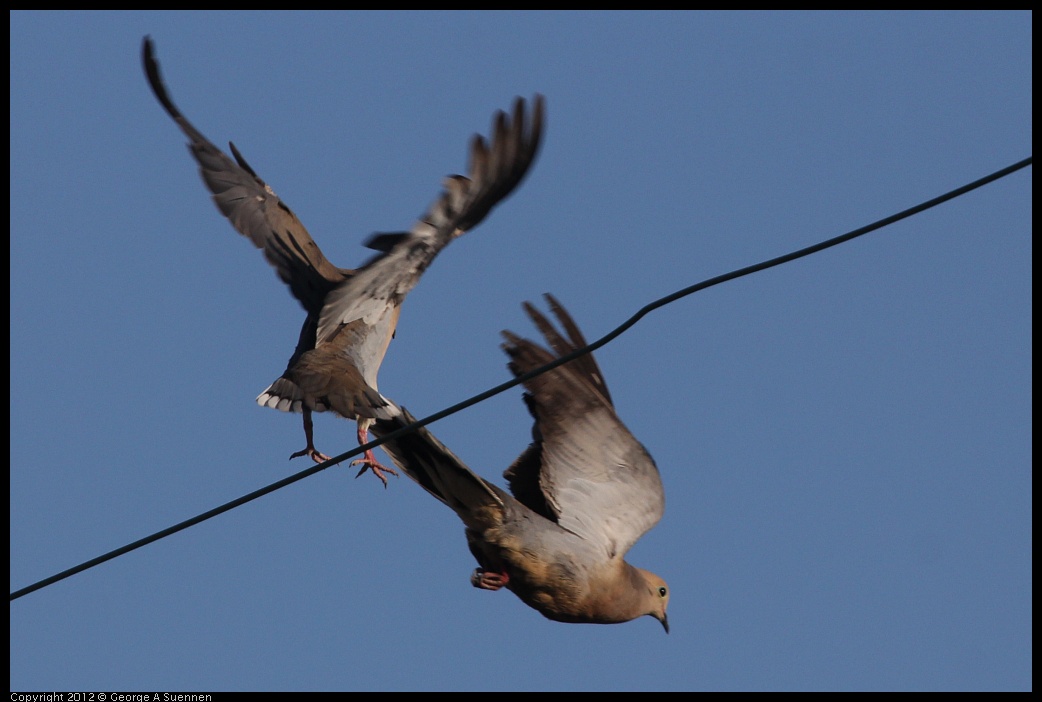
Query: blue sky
[844,440]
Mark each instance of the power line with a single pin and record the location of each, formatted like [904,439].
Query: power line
[610,336]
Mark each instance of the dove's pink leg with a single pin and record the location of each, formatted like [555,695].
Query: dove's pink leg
[309,450]
[369,462]
[488,580]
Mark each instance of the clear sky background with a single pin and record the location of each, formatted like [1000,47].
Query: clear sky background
[844,440]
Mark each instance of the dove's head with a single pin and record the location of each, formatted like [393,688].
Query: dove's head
[656,597]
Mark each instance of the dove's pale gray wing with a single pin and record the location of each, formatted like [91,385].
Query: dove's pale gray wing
[496,169]
[253,208]
[585,470]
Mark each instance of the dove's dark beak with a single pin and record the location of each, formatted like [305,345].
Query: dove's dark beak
[665,622]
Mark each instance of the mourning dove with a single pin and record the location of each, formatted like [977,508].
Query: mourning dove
[352,314]
[583,492]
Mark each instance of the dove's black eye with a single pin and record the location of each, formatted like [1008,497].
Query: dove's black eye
[662,592]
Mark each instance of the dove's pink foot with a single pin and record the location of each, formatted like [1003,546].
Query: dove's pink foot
[370,463]
[310,451]
[488,580]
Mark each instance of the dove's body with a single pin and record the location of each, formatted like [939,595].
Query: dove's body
[561,575]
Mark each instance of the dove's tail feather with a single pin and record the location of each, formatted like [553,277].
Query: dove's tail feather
[285,396]
[438,471]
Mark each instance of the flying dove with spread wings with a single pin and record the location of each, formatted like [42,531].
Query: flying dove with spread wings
[352,314]
[581,494]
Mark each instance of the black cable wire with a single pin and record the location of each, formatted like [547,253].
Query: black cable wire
[755,268]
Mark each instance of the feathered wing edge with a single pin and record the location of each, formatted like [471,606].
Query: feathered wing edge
[252,207]
[436,469]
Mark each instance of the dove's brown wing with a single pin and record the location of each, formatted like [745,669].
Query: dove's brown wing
[496,169]
[253,208]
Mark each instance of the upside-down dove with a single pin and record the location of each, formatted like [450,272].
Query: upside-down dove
[583,492]
[352,314]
